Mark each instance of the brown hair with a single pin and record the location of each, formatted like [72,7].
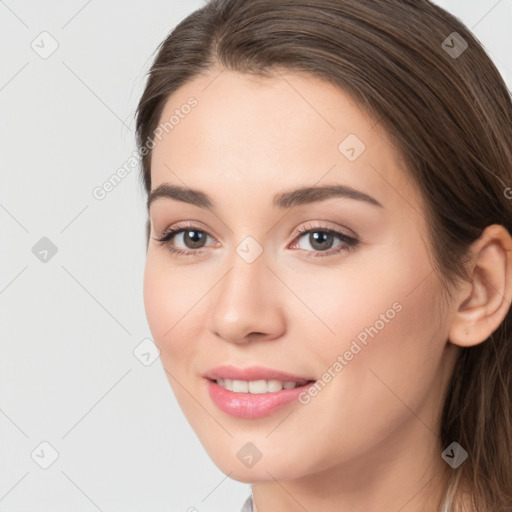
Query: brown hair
[450,117]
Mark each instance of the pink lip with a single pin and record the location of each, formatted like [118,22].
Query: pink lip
[248,405]
[252,373]
[252,406]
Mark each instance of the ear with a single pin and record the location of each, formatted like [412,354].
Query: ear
[486,298]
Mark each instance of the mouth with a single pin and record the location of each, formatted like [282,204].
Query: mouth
[253,399]
[255,391]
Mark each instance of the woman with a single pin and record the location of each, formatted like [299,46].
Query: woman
[329,259]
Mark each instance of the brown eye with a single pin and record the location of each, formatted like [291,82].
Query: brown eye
[190,238]
[320,240]
[193,239]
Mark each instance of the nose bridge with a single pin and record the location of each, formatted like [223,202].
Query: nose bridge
[248,264]
[245,283]
[246,301]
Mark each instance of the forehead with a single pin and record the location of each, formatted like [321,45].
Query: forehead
[274,133]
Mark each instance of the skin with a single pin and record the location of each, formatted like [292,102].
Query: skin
[368,441]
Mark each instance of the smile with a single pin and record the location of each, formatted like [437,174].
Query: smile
[254,399]
[257,387]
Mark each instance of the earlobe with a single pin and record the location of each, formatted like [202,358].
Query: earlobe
[484,300]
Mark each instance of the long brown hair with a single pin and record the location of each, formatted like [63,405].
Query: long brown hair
[448,111]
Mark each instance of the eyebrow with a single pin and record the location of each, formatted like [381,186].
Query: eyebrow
[283,200]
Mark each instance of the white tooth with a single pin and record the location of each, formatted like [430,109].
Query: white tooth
[274,386]
[257,386]
[240,386]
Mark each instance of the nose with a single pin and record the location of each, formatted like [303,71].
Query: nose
[247,303]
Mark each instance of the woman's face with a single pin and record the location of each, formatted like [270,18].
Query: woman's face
[267,283]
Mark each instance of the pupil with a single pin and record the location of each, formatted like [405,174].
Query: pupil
[195,239]
[319,235]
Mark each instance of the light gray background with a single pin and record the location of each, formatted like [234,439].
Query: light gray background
[68,327]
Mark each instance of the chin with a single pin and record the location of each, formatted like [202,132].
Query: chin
[265,468]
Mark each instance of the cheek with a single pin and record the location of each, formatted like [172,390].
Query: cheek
[156,299]
[381,314]
[388,299]
[389,374]
[390,336]
[170,296]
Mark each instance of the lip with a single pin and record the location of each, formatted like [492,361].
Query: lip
[253,406]
[253,373]
[249,405]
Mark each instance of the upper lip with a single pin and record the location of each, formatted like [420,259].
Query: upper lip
[252,373]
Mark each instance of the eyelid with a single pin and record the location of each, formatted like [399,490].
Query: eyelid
[176,229]
[323,225]
[350,241]
[184,225]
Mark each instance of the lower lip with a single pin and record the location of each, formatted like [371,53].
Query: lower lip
[252,406]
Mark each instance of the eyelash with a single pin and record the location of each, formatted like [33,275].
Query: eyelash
[349,242]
